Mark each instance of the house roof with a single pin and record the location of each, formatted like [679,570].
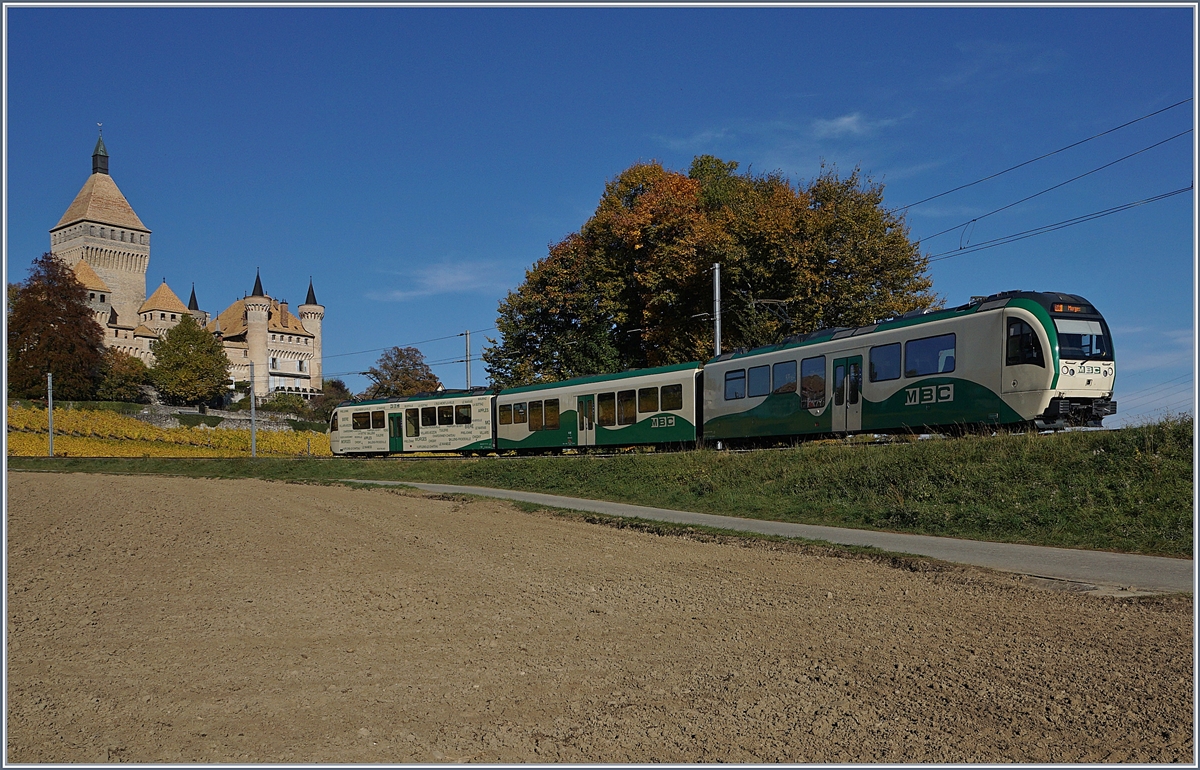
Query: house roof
[163,299]
[144,331]
[87,276]
[101,201]
[233,321]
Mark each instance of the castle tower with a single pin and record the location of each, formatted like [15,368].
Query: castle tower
[311,315]
[194,309]
[101,229]
[258,311]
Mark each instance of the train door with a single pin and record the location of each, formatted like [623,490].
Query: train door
[395,432]
[847,394]
[586,412]
[1024,360]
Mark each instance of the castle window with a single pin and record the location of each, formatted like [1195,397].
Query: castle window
[101,297]
[162,316]
[274,363]
[91,296]
[172,316]
[91,229]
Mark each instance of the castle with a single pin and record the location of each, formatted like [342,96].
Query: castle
[105,243]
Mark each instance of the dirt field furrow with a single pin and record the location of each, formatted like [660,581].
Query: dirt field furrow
[170,620]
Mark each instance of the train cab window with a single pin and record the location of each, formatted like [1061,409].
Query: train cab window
[462,414]
[504,412]
[647,399]
[672,398]
[1021,345]
[885,363]
[377,420]
[550,415]
[735,384]
[784,373]
[535,415]
[854,375]
[606,409]
[931,355]
[626,407]
[518,414]
[445,415]
[428,416]
[812,382]
[333,423]
[412,423]
[360,421]
[1082,339]
[758,381]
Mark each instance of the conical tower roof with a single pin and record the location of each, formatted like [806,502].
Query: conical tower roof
[258,290]
[88,277]
[163,299]
[192,304]
[311,299]
[101,201]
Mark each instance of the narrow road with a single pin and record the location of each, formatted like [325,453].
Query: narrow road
[1118,570]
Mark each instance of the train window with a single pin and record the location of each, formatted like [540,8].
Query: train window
[785,377]
[735,384]
[462,414]
[505,414]
[1082,339]
[672,398]
[626,407]
[428,416]
[333,422]
[647,399]
[1021,345]
[885,363]
[377,419]
[812,382]
[839,385]
[606,409]
[758,381]
[519,414]
[550,421]
[360,420]
[855,375]
[412,423]
[931,355]
[445,415]
[535,415]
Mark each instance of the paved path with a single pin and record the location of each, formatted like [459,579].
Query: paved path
[1127,571]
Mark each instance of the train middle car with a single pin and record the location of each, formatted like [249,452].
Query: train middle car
[643,406]
[449,421]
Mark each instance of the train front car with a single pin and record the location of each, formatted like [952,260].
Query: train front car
[447,421]
[1009,359]
[643,406]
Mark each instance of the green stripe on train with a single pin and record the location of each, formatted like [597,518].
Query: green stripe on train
[938,401]
[659,428]
[780,414]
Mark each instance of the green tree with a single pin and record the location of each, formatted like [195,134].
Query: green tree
[122,378]
[333,392]
[633,287]
[285,403]
[400,372]
[52,329]
[189,365]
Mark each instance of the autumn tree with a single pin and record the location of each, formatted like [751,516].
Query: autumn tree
[52,329]
[122,377]
[400,372]
[633,287]
[190,366]
[333,392]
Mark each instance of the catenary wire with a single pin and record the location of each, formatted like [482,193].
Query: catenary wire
[1054,187]
[1040,157]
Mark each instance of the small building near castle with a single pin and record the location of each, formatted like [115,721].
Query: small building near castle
[105,243]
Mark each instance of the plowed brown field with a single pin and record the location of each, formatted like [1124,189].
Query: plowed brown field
[160,619]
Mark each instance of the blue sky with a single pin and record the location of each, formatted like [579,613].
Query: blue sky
[416,161]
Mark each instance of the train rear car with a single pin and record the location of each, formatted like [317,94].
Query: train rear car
[447,421]
[643,406]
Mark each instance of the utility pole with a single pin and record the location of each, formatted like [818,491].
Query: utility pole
[50,407]
[253,427]
[717,307]
[468,333]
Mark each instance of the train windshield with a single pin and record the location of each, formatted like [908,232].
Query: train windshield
[1083,339]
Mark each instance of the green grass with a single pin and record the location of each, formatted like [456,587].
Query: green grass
[1126,490]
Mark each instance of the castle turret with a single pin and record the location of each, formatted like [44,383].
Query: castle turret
[258,310]
[311,315]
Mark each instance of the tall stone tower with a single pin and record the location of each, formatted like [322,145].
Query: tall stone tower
[258,312]
[311,315]
[101,229]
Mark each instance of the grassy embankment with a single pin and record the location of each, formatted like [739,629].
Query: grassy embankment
[1128,490]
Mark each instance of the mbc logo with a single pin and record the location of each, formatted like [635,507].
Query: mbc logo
[930,394]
